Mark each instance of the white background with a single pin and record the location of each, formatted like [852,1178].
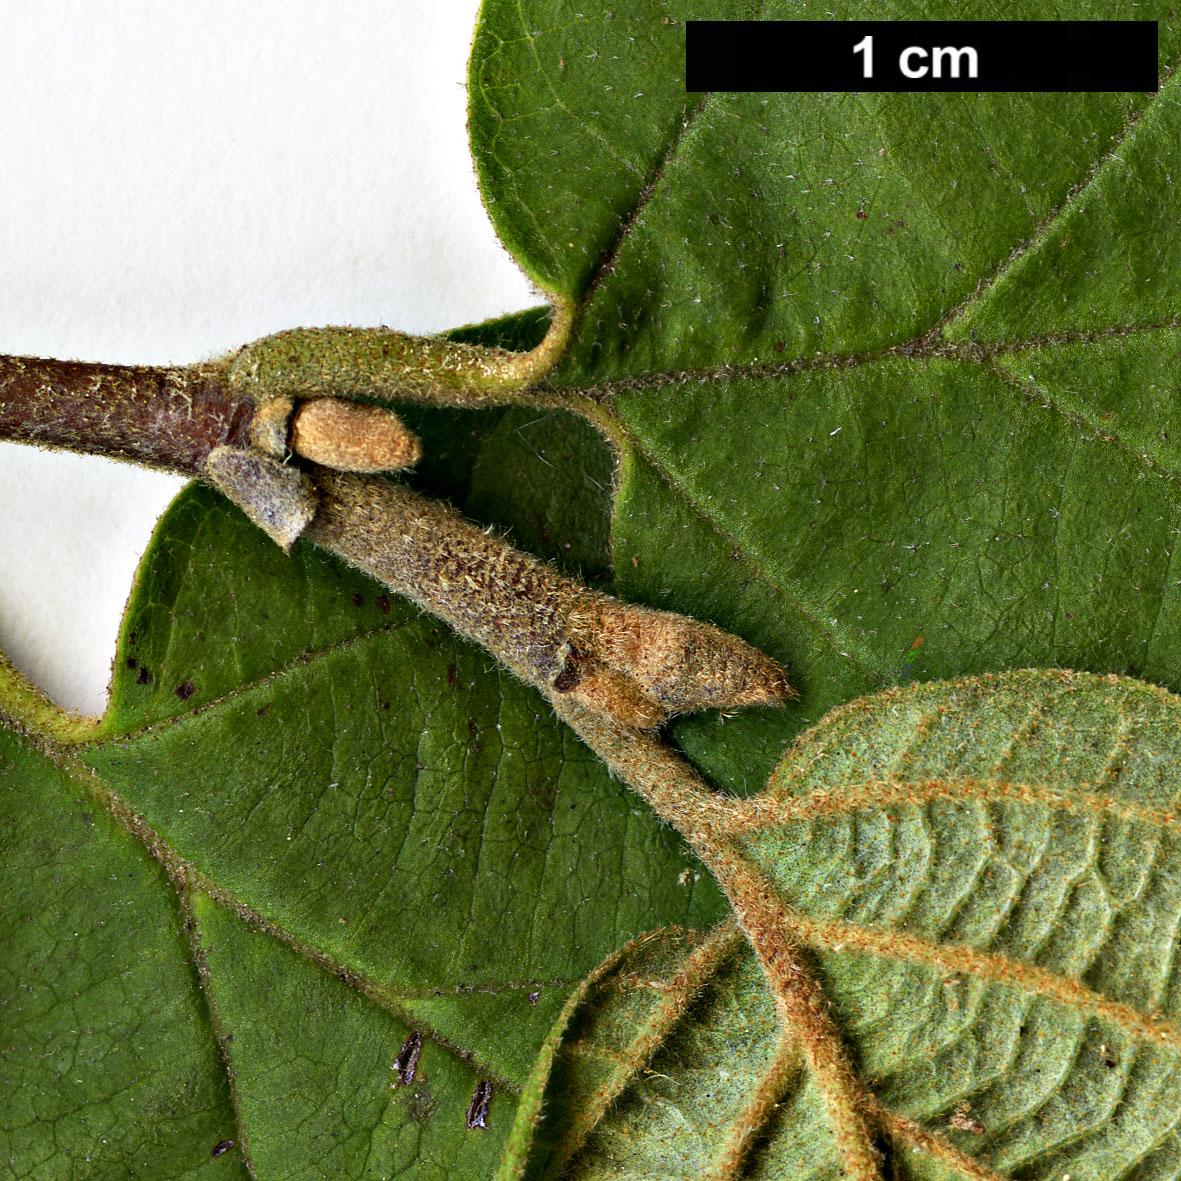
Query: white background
[178,178]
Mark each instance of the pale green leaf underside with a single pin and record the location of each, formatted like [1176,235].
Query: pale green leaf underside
[986,873]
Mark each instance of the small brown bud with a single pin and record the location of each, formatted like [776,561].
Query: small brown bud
[270,426]
[352,436]
[614,695]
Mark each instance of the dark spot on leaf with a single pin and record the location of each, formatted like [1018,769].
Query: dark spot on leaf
[133,637]
[477,1112]
[358,600]
[472,728]
[407,1060]
[185,690]
[131,662]
[383,603]
[780,346]
[959,266]
[451,675]
[543,793]
[264,708]
[144,677]
[222,1147]
[861,215]
[534,997]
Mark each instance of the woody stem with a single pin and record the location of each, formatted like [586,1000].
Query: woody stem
[165,418]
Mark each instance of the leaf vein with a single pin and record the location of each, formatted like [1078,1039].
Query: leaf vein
[835,935]
[809,613]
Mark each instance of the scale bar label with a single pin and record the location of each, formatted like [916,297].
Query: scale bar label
[885,56]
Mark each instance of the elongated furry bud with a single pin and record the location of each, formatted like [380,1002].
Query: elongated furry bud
[631,664]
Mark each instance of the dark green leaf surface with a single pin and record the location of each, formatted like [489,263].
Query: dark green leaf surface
[108,1068]
[987,874]
[409,837]
[893,375]
[313,1066]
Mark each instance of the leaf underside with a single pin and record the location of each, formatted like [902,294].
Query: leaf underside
[985,874]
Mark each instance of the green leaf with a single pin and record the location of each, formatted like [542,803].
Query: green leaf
[892,375]
[314,1068]
[985,873]
[889,381]
[108,1066]
[376,832]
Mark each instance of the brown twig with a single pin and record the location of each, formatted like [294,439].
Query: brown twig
[165,418]
[172,417]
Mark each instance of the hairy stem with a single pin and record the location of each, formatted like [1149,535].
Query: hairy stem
[172,417]
[682,798]
[634,665]
[165,418]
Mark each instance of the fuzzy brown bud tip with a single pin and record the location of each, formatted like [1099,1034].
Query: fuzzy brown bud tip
[681,663]
[352,436]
